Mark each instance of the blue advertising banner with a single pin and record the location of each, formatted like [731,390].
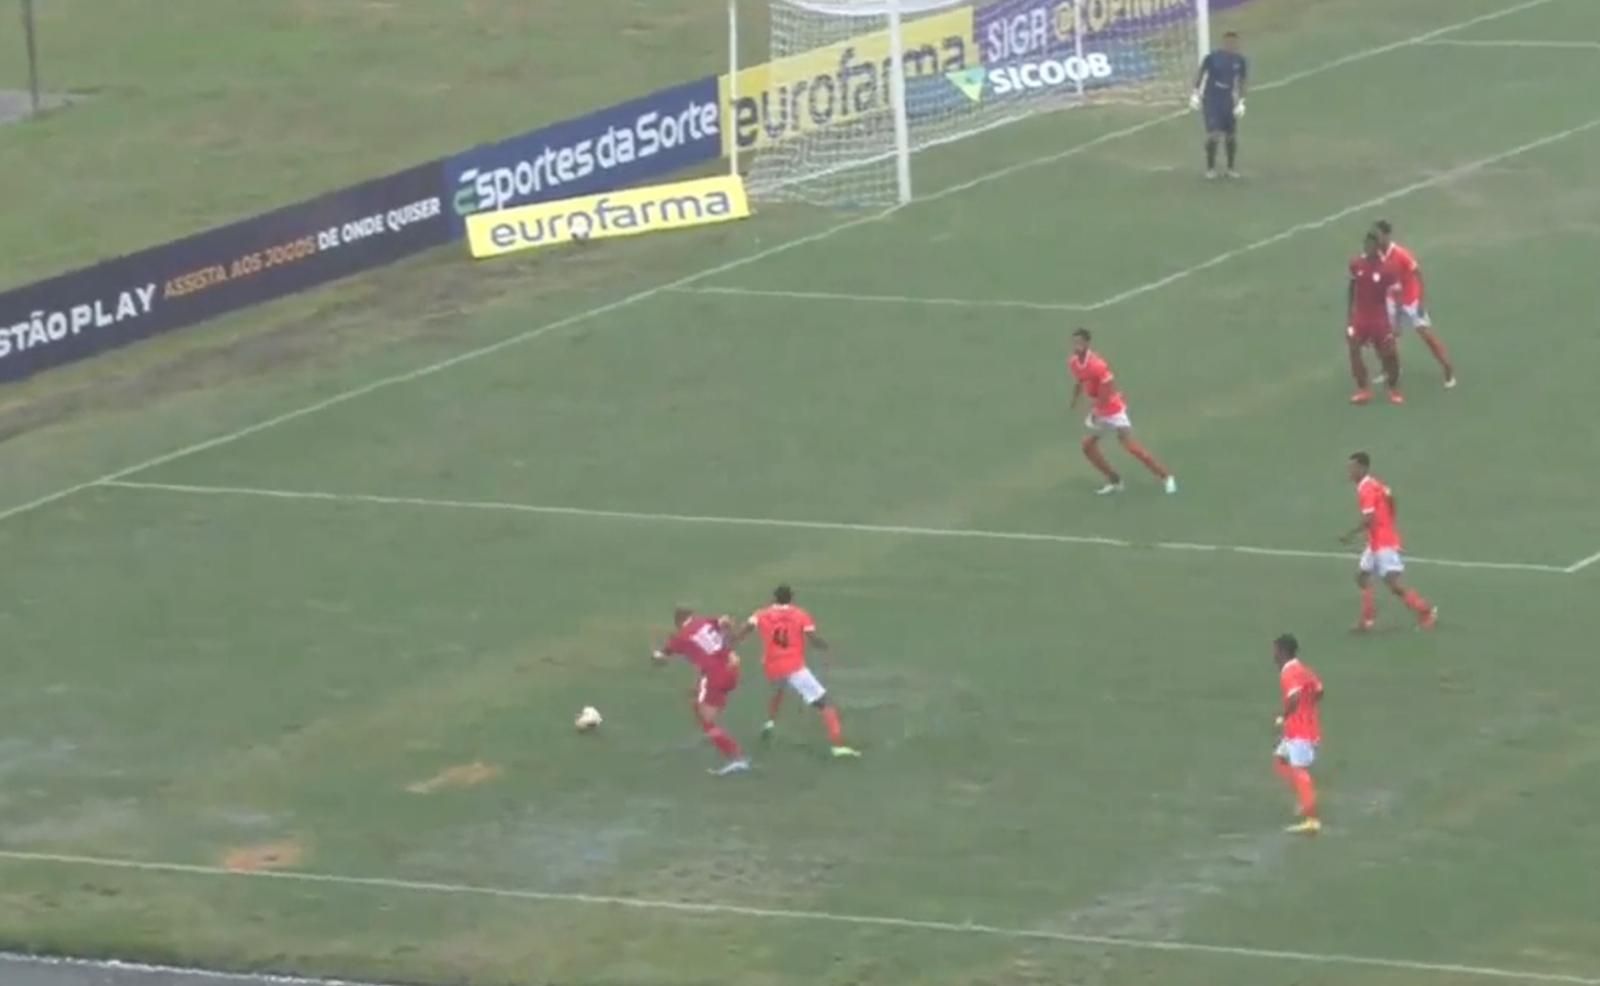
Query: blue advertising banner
[625,144]
[128,298]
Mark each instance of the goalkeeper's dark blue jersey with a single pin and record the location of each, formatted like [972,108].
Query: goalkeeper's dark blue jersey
[1224,72]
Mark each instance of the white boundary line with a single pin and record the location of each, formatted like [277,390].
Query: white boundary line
[1582,564]
[145,968]
[829,917]
[1457,172]
[647,293]
[1508,43]
[803,525]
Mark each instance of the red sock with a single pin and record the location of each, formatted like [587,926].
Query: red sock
[1358,367]
[1416,603]
[1369,605]
[830,722]
[1091,451]
[722,741]
[1305,791]
[773,704]
[1437,348]
[1141,453]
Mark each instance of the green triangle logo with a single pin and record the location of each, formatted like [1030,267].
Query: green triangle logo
[969,81]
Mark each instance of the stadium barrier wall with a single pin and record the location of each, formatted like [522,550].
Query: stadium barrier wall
[76,315]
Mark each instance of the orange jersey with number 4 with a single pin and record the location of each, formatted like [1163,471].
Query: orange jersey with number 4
[1377,505]
[783,632]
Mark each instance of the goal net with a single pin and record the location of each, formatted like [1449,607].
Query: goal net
[828,121]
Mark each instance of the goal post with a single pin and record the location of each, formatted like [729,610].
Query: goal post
[851,90]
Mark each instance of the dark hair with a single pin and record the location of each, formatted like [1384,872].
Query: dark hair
[1081,334]
[782,595]
[1286,644]
[1362,458]
[1383,227]
[1372,237]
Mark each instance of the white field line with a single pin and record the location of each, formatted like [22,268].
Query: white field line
[648,293]
[819,917]
[780,523]
[1509,43]
[1582,564]
[114,966]
[1443,177]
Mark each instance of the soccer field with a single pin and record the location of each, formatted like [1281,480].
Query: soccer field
[292,655]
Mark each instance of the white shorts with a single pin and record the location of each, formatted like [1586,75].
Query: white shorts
[1383,562]
[806,685]
[1404,317]
[1296,752]
[1110,422]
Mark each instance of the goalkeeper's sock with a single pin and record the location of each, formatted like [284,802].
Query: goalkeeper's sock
[1233,151]
[1211,154]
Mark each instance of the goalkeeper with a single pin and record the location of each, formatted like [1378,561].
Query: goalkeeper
[1219,91]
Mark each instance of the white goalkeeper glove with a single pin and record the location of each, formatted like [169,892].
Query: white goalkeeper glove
[1238,110]
[1194,100]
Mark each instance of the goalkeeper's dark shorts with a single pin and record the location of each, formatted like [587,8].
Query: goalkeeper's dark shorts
[1219,114]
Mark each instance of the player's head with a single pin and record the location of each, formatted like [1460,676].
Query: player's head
[783,595]
[1360,464]
[681,615]
[1285,649]
[1371,245]
[1384,231]
[1080,341]
[1230,41]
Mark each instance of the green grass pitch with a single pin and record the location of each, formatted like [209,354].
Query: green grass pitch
[343,652]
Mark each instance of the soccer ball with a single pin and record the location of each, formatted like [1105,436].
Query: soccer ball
[588,719]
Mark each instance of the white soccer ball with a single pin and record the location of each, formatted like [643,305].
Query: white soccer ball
[588,719]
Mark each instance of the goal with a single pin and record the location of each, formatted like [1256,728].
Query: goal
[852,89]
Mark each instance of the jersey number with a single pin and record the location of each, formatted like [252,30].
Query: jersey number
[780,636]
[709,639]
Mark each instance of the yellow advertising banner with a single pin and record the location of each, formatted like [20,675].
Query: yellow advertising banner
[630,212]
[838,83]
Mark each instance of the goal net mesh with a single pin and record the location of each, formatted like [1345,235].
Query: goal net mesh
[815,122]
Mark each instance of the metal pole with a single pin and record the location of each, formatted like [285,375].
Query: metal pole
[33,54]
[729,108]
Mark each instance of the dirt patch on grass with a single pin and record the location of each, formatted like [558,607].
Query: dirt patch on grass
[459,776]
[280,855]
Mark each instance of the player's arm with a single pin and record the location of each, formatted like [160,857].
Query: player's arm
[1199,82]
[1350,302]
[738,636]
[662,654]
[1360,530]
[1244,79]
[1077,392]
[815,639]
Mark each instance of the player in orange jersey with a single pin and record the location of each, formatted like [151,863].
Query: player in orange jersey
[785,631]
[1381,557]
[1108,412]
[1301,727]
[1408,307]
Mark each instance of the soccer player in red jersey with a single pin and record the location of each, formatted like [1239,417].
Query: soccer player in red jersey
[785,631]
[1367,322]
[1406,304]
[1108,412]
[1381,557]
[1301,727]
[704,643]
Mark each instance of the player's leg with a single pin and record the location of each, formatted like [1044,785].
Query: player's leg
[1138,451]
[1358,366]
[1393,569]
[1230,137]
[811,692]
[708,706]
[774,703]
[1417,317]
[1369,604]
[1389,359]
[1298,755]
[1091,451]
[1213,139]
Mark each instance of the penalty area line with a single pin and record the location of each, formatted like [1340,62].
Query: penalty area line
[815,917]
[1511,43]
[778,523]
[1582,564]
[18,960]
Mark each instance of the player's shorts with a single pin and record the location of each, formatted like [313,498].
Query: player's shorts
[1413,316]
[714,691]
[1382,562]
[1108,422]
[1296,752]
[1219,114]
[1371,333]
[805,685]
